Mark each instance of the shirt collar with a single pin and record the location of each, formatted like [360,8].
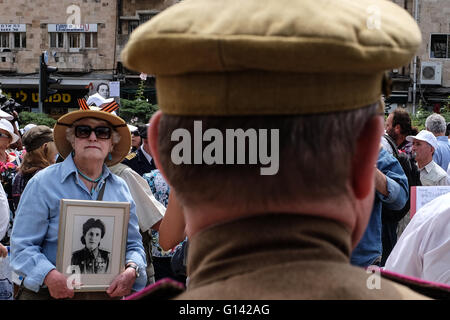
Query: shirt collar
[442,138]
[147,156]
[429,167]
[68,168]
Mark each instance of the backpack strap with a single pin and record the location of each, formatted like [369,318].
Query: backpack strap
[392,144]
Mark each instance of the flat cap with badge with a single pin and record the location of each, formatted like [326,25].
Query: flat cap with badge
[272,57]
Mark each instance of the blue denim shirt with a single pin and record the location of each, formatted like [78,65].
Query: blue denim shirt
[34,239]
[370,246]
[442,153]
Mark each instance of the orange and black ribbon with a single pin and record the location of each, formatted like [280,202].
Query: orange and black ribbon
[83,104]
[110,107]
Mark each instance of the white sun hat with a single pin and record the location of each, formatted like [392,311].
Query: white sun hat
[6,115]
[131,127]
[28,127]
[7,126]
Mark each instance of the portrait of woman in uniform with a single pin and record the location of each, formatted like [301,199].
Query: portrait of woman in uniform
[92,259]
[92,239]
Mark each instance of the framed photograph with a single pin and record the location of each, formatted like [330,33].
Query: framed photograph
[92,242]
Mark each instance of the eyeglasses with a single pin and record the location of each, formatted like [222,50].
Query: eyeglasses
[85,132]
[135,133]
[4,135]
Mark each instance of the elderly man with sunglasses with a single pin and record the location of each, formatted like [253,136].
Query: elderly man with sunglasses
[89,141]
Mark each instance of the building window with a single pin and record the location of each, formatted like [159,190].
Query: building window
[144,17]
[90,40]
[4,39]
[74,40]
[13,40]
[20,40]
[56,40]
[440,46]
[132,25]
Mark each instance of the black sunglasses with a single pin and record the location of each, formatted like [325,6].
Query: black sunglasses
[100,132]
[135,133]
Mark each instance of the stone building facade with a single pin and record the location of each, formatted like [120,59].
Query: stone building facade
[431,81]
[133,13]
[78,36]
[82,38]
[434,54]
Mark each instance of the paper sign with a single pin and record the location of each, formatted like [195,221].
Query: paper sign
[422,195]
[114,88]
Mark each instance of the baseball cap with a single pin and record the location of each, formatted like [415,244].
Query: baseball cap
[426,136]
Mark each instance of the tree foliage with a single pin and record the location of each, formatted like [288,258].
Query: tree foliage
[139,110]
[418,120]
[36,118]
[136,111]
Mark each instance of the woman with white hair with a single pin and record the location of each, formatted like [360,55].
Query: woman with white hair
[89,140]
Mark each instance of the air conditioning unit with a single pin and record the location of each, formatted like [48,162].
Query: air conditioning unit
[431,73]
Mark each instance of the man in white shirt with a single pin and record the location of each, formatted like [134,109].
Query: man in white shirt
[424,146]
[423,250]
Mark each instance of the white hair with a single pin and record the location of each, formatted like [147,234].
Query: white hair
[435,123]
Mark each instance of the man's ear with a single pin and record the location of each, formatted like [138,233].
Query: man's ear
[365,157]
[152,139]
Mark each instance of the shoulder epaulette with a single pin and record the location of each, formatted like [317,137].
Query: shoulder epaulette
[430,289]
[131,156]
[164,289]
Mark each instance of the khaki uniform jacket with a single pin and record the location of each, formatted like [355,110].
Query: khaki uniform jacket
[281,256]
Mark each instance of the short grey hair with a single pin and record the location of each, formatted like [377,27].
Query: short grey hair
[70,133]
[435,123]
[315,159]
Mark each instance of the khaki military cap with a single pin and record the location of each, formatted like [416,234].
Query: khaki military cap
[235,57]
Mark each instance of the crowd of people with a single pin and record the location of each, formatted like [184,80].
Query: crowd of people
[339,203]
[90,151]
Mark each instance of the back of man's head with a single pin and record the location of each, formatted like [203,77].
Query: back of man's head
[402,118]
[293,85]
[435,123]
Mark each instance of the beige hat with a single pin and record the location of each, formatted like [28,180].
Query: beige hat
[234,57]
[36,137]
[120,150]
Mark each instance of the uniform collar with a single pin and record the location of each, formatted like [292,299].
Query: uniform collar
[248,244]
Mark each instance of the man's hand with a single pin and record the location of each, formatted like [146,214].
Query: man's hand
[122,284]
[57,285]
[3,251]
